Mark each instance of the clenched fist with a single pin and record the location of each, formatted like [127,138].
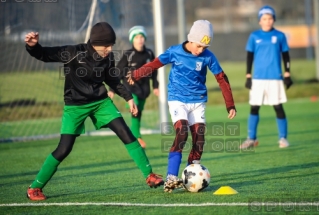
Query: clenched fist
[31,38]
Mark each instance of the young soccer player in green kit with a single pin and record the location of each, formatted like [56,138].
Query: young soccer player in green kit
[132,59]
[87,67]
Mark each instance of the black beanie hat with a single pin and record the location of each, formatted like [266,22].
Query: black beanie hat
[102,34]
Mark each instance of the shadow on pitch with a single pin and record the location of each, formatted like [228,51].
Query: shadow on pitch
[85,166]
[86,173]
[253,177]
[290,133]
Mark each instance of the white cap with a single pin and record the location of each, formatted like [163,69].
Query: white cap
[201,32]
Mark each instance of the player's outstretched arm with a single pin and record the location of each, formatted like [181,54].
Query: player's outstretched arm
[31,38]
[45,54]
[143,71]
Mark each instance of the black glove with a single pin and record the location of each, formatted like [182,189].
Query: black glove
[248,83]
[288,82]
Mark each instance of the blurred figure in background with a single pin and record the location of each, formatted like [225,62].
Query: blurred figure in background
[133,59]
[264,48]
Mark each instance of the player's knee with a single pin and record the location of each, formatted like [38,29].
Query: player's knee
[65,147]
[198,129]
[181,129]
[125,134]
[254,110]
[120,128]
[280,113]
[62,152]
[198,135]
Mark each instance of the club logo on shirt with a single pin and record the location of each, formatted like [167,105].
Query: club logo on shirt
[205,40]
[199,66]
[258,41]
[273,39]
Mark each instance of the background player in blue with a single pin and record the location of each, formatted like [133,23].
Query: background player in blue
[187,93]
[265,47]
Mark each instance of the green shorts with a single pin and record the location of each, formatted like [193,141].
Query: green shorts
[101,113]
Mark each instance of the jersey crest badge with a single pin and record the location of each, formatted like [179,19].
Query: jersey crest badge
[198,66]
[273,39]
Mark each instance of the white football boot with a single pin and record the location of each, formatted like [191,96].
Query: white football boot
[172,182]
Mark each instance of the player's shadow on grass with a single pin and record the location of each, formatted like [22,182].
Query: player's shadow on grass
[182,191]
[253,177]
[290,133]
[85,166]
[86,173]
[108,170]
[250,182]
[244,154]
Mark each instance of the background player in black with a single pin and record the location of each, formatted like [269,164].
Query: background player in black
[133,59]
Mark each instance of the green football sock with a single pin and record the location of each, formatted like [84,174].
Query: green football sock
[46,172]
[138,154]
[135,126]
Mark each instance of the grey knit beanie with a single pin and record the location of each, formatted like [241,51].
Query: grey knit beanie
[201,32]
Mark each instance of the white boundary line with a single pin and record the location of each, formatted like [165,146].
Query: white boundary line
[252,204]
[89,133]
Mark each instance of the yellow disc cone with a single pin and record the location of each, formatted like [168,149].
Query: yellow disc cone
[225,190]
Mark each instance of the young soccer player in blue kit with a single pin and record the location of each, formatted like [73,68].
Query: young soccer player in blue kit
[264,48]
[187,93]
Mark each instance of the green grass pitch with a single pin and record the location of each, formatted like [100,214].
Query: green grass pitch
[99,170]
[47,86]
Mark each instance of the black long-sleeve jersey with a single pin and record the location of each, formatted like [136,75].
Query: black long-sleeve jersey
[85,72]
[131,60]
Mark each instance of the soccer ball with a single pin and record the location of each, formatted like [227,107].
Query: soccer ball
[195,177]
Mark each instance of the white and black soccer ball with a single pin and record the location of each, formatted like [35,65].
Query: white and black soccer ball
[195,177]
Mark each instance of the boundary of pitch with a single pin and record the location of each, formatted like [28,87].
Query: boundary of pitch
[232,204]
[52,136]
